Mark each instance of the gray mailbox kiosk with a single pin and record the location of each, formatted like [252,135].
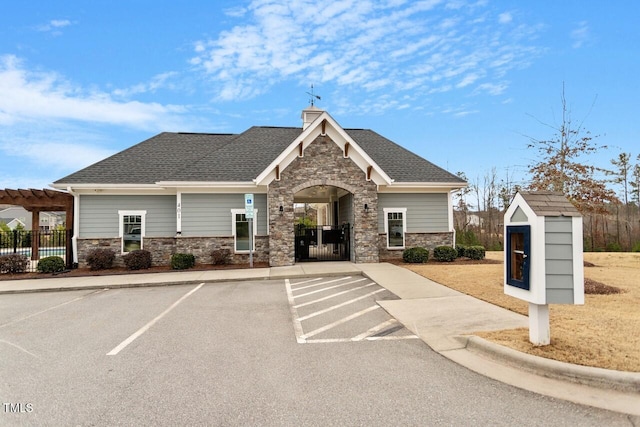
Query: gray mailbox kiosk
[543,261]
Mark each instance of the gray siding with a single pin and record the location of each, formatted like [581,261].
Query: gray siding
[99,214]
[519,216]
[426,213]
[559,260]
[205,215]
[345,209]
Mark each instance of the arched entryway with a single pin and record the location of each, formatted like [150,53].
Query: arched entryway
[323,218]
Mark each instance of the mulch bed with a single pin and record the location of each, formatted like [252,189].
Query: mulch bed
[593,287]
[457,261]
[85,272]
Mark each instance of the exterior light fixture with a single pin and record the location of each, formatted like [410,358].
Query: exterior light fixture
[281,209]
[366,207]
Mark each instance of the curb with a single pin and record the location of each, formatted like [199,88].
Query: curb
[606,379]
[126,285]
[275,276]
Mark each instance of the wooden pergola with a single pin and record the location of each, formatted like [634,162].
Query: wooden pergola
[36,201]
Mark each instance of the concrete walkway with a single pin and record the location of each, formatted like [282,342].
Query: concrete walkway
[443,318]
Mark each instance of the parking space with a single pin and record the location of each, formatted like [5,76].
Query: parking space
[341,309]
[226,354]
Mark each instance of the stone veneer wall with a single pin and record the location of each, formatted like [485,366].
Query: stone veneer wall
[425,240]
[323,163]
[162,248]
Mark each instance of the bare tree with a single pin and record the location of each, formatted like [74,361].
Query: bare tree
[635,183]
[561,166]
[462,205]
[620,176]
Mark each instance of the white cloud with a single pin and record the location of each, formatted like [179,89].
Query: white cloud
[391,46]
[159,81]
[505,18]
[491,88]
[29,96]
[59,23]
[54,26]
[37,154]
[580,34]
[59,155]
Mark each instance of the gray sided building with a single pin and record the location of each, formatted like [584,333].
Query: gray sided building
[184,192]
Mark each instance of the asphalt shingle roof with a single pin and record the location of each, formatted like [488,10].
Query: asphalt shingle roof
[548,203]
[241,157]
[399,163]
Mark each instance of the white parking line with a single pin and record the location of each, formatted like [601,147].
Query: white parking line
[19,348]
[393,338]
[146,327]
[373,330]
[335,307]
[339,322]
[52,308]
[295,288]
[334,295]
[297,326]
[330,287]
[309,281]
[337,340]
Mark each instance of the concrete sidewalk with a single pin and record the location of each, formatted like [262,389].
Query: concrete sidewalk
[443,318]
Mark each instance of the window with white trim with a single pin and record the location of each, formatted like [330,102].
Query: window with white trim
[132,230]
[395,226]
[240,230]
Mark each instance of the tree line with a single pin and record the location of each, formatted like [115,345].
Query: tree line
[607,197]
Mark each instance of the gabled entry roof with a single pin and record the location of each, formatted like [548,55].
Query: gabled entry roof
[172,158]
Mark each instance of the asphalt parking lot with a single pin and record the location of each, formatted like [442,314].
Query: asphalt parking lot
[242,353]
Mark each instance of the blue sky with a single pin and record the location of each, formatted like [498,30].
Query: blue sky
[461,83]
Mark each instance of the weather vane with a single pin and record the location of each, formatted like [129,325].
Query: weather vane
[313,96]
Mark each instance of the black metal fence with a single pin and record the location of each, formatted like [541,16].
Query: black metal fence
[322,243]
[37,244]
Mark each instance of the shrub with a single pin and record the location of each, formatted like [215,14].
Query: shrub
[614,247]
[13,263]
[496,246]
[182,261]
[636,247]
[100,259]
[461,249]
[137,260]
[475,252]
[220,256]
[416,255]
[445,253]
[51,264]
[467,237]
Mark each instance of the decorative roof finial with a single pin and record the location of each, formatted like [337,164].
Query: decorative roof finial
[313,96]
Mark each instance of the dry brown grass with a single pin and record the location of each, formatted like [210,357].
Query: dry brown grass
[605,332]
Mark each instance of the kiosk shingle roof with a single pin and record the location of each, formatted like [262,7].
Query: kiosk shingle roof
[548,203]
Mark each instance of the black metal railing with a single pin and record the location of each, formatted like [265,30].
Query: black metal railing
[322,243]
[37,244]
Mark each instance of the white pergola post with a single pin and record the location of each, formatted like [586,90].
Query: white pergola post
[539,331]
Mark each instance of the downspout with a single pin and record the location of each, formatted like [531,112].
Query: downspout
[178,213]
[450,215]
[76,224]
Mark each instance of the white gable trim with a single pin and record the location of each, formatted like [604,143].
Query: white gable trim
[325,125]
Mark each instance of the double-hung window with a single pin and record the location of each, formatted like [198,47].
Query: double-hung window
[132,230]
[240,229]
[395,226]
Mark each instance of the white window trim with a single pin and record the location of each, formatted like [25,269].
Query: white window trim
[254,225]
[121,214]
[403,211]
